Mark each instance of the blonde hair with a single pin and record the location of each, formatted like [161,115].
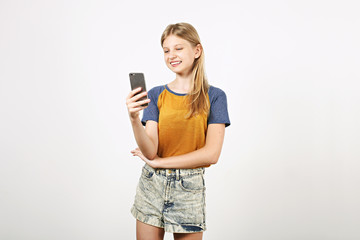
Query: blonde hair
[198,101]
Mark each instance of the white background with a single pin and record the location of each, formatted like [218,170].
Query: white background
[289,168]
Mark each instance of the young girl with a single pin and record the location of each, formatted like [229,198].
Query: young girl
[185,124]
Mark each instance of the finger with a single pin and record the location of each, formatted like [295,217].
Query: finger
[138,152]
[136,90]
[134,154]
[132,99]
[135,107]
[135,98]
[138,102]
[133,92]
[134,110]
[140,156]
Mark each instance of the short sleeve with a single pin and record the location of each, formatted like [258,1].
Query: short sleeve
[218,107]
[152,111]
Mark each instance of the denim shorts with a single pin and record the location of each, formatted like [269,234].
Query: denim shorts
[173,199]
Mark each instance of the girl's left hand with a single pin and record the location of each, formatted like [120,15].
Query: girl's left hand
[151,163]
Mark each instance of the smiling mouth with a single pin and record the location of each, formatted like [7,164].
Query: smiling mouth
[174,64]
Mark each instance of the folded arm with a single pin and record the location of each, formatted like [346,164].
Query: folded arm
[205,156]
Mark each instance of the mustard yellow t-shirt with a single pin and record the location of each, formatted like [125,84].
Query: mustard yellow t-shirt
[178,134]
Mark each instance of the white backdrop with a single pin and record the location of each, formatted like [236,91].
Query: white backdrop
[289,168]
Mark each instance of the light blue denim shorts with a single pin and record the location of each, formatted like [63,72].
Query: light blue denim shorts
[173,199]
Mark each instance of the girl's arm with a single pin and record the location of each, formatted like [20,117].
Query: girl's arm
[146,139]
[205,156]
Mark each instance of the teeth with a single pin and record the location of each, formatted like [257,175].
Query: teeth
[173,63]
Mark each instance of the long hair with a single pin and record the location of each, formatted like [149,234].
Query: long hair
[198,102]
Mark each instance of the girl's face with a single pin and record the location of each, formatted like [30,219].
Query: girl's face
[179,54]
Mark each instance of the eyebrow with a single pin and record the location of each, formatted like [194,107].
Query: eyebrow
[177,45]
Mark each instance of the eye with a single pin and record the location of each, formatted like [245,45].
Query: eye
[179,49]
[166,51]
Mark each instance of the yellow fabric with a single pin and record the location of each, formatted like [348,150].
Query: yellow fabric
[177,134]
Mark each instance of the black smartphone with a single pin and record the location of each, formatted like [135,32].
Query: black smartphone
[138,80]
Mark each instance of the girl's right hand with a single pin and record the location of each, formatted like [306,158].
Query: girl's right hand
[133,106]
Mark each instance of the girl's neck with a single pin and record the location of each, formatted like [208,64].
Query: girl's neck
[182,84]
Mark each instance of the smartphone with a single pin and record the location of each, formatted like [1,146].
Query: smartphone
[138,80]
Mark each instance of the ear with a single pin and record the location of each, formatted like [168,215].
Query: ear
[198,50]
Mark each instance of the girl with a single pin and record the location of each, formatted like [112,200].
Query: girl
[185,124]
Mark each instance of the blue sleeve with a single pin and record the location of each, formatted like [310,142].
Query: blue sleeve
[152,111]
[218,107]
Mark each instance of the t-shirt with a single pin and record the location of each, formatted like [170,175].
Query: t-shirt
[177,133]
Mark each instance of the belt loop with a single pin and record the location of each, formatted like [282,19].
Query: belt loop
[177,174]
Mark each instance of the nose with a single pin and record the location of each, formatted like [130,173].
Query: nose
[172,56]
